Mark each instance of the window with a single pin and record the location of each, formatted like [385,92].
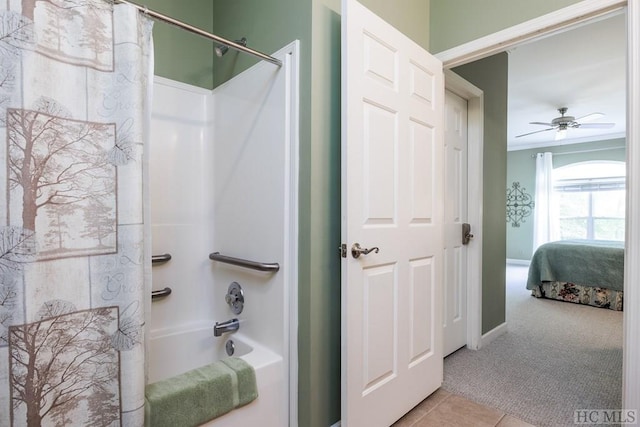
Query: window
[591,199]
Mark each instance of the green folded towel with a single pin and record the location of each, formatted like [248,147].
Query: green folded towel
[246,377]
[200,395]
[192,398]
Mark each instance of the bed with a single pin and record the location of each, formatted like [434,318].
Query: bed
[581,271]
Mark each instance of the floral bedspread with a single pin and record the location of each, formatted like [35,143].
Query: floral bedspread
[589,295]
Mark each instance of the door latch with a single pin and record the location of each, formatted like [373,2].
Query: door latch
[343,250]
[466,233]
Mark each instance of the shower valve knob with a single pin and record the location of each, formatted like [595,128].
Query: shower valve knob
[235,298]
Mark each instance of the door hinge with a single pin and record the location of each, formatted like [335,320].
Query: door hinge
[343,250]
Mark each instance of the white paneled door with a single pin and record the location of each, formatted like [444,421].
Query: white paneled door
[455,214]
[392,207]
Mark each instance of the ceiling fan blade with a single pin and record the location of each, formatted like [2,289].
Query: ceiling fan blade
[540,123]
[596,125]
[589,117]
[531,133]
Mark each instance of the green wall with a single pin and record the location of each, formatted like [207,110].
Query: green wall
[409,16]
[319,302]
[454,22]
[180,55]
[521,167]
[490,75]
[268,26]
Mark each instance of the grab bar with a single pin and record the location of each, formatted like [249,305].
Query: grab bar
[159,259]
[160,293]
[260,266]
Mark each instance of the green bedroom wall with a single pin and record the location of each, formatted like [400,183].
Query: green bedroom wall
[454,22]
[521,167]
[490,75]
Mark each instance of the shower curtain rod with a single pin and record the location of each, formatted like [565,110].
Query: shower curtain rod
[195,30]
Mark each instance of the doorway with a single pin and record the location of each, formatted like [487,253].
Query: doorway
[472,305]
[629,347]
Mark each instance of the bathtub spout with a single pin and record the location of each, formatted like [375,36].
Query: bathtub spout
[228,326]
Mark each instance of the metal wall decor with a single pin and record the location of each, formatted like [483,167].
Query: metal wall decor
[519,204]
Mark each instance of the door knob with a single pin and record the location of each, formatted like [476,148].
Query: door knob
[357,250]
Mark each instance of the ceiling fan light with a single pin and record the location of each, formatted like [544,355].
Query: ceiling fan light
[561,134]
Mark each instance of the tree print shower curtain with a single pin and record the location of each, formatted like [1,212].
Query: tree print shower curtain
[74,90]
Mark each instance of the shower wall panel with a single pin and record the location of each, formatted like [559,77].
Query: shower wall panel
[180,172]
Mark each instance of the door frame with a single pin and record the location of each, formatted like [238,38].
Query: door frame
[475,146]
[562,20]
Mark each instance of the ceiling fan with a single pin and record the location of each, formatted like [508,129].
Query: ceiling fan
[562,123]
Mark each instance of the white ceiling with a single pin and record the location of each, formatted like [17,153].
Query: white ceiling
[582,69]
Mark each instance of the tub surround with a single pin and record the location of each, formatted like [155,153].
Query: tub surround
[223,177]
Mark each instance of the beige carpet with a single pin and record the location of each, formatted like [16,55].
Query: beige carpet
[555,358]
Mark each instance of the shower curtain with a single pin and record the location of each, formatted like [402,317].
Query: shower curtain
[74,272]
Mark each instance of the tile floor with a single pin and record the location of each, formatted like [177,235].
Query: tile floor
[444,409]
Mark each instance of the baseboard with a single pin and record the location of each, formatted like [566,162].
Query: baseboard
[336,424]
[493,334]
[513,261]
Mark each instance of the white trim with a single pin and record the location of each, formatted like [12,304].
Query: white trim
[631,315]
[475,147]
[493,334]
[291,60]
[544,25]
[513,261]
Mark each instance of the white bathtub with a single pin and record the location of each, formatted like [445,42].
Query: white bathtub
[174,351]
